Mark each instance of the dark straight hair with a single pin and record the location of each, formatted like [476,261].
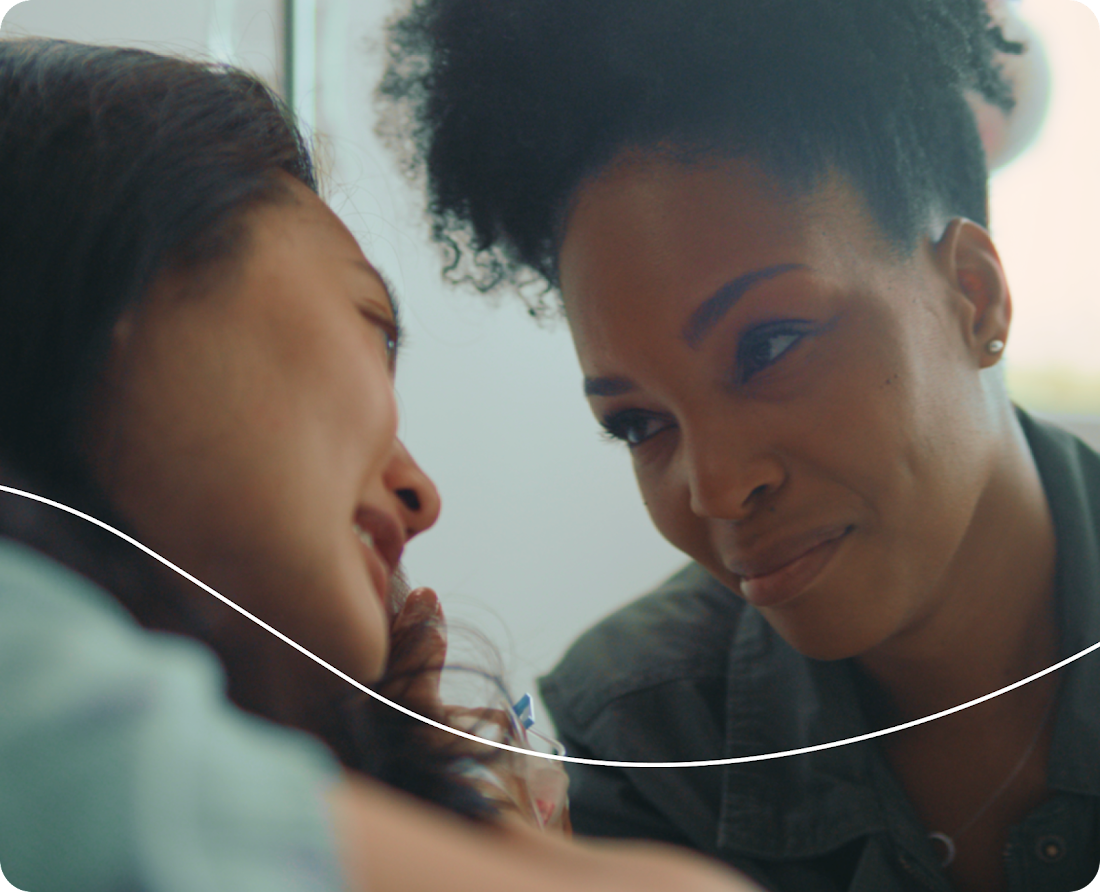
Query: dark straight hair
[117,165]
[114,165]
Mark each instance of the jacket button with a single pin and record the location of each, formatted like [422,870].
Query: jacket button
[1050,849]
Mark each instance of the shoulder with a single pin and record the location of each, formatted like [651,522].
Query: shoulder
[35,588]
[57,624]
[1070,471]
[104,718]
[1061,453]
[66,645]
[678,633]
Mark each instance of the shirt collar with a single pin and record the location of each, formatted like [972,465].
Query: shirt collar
[1070,472]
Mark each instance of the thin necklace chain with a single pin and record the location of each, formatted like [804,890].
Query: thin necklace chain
[949,840]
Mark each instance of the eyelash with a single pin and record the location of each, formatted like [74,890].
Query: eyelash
[762,336]
[619,426]
[622,426]
[394,334]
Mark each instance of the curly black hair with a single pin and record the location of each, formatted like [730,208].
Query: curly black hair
[503,107]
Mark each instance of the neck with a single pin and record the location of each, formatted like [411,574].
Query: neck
[994,619]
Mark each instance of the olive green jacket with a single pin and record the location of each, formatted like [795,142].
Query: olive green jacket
[690,672]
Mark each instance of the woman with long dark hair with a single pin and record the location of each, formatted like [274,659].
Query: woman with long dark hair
[195,352]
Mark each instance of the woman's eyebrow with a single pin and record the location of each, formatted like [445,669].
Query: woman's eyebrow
[387,287]
[614,386]
[710,312]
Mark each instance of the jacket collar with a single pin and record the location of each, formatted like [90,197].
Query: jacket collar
[1071,476]
[806,806]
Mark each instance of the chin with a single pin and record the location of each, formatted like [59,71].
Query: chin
[373,662]
[361,653]
[826,635]
[818,645]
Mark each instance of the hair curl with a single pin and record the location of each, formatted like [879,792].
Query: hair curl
[503,107]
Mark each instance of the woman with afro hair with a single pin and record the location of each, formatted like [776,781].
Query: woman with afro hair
[766,224]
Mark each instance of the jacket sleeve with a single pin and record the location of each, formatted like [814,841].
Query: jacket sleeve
[667,722]
[604,802]
[647,684]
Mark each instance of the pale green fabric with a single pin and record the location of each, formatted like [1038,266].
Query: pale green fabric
[124,767]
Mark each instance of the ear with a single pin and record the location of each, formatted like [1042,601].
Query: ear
[968,259]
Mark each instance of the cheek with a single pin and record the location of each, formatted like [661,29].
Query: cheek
[379,418]
[910,481]
[168,454]
[668,501]
[331,421]
[354,387]
[351,444]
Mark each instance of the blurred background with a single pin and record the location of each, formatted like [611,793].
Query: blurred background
[542,531]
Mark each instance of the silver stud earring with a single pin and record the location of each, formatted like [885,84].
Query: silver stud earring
[995,346]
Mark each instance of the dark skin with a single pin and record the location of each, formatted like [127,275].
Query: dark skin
[816,418]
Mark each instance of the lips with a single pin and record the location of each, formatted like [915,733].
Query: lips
[382,542]
[781,572]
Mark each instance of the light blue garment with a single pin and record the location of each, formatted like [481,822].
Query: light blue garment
[123,766]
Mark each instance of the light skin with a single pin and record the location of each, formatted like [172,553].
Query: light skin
[250,429]
[815,417]
[246,425]
[414,850]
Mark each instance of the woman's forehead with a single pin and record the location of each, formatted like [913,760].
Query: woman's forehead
[665,223]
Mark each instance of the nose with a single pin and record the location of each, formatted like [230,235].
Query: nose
[418,500]
[729,476]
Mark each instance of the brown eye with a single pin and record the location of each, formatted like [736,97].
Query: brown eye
[391,335]
[390,339]
[633,427]
[765,345]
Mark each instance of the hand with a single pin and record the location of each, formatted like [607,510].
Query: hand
[531,789]
[525,788]
[421,616]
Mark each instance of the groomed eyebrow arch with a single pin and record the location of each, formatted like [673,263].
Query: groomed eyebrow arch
[607,386]
[706,316]
[711,311]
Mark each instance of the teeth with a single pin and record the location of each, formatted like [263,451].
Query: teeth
[364,537]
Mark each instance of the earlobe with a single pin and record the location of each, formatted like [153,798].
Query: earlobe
[969,261]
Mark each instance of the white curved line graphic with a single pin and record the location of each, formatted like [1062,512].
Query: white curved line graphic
[702,763]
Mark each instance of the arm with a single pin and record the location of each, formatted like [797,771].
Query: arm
[604,802]
[388,843]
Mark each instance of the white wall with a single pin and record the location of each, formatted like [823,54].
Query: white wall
[542,530]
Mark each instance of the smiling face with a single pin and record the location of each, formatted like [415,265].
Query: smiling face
[804,408]
[249,432]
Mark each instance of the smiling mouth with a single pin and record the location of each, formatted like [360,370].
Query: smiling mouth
[376,567]
[365,537]
[785,583]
